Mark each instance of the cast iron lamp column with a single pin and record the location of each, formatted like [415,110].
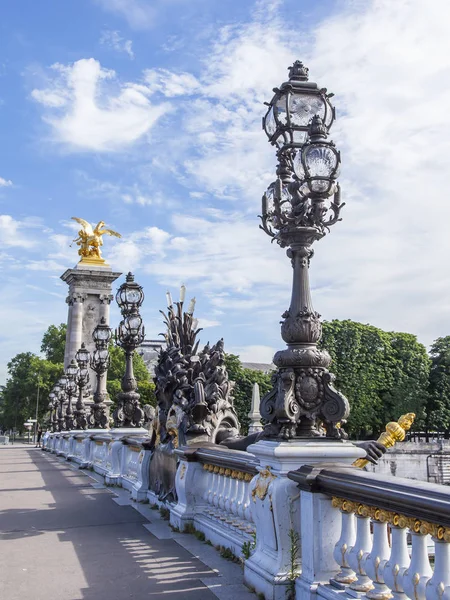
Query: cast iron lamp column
[297,210]
[71,392]
[100,361]
[82,381]
[59,396]
[129,335]
[53,411]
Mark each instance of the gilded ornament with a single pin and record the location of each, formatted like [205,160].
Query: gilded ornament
[90,240]
[263,481]
[395,432]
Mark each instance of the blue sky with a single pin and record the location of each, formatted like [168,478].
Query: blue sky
[146,114]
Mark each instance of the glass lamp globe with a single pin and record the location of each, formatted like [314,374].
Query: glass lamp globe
[102,333]
[82,355]
[72,369]
[293,106]
[130,295]
[317,163]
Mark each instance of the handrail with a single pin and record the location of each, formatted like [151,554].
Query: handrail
[220,457]
[416,499]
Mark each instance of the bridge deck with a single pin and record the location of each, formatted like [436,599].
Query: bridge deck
[64,535]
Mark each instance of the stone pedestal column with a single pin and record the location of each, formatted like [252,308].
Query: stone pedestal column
[90,294]
[276,508]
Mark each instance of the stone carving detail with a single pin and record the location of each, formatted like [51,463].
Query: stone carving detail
[106,298]
[76,297]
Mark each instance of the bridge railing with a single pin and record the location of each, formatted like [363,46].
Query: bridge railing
[363,534]
[213,489]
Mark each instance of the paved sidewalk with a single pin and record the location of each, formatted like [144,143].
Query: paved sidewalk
[65,536]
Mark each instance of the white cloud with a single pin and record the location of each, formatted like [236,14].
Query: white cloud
[172,84]
[140,14]
[96,118]
[5,182]
[12,233]
[114,40]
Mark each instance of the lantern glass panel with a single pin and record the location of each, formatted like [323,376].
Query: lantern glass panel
[281,110]
[134,324]
[321,161]
[62,382]
[102,334]
[133,296]
[71,370]
[71,388]
[303,107]
[270,123]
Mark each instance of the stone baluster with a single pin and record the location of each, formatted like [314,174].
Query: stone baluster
[247,510]
[438,587]
[225,489]
[234,495]
[346,541]
[398,562]
[241,496]
[220,489]
[213,488]
[357,555]
[377,559]
[229,495]
[419,571]
[208,484]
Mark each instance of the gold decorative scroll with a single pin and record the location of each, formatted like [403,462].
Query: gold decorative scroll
[395,432]
[241,475]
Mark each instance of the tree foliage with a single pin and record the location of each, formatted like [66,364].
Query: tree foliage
[54,343]
[383,374]
[439,389]
[244,380]
[18,397]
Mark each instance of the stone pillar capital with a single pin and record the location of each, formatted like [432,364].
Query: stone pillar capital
[75,297]
[106,298]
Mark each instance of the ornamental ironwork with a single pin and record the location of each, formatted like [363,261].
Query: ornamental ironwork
[298,209]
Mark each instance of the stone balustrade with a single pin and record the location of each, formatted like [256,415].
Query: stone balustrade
[135,466]
[213,490]
[372,536]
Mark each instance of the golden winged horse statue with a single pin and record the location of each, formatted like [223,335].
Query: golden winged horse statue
[90,239]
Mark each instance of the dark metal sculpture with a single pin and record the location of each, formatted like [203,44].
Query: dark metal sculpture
[194,395]
[71,392]
[129,335]
[100,360]
[193,391]
[297,210]
[82,381]
[53,403]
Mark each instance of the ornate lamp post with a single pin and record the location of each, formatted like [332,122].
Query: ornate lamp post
[298,209]
[100,363]
[53,411]
[82,381]
[59,397]
[71,392]
[129,335]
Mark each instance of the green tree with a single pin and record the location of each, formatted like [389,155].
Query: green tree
[244,380]
[383,374]
[54,343]
[18,396]
[439,389]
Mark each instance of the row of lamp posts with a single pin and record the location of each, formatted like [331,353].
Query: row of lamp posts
[64,414]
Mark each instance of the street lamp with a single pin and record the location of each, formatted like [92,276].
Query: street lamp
[53,407]
[71,392]
[293,106]
[298,209]
[82,380]
[100,361]
[129,335]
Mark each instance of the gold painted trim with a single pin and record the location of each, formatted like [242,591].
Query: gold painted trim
[263,481]
[226,472]
[398,520]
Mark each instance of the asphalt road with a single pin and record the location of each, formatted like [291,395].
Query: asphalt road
[62,538]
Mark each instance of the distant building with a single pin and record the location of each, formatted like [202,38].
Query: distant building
[264,367]
[149,350]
